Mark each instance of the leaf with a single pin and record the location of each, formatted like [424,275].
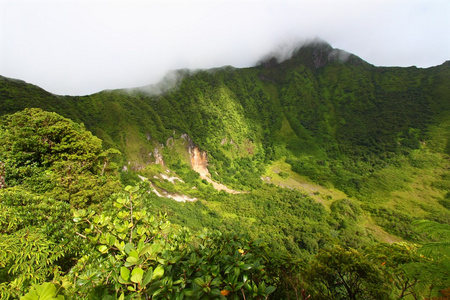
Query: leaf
[134,254]
[121,281]
[246,267]
[111,240]
[270,290]
[158,273]
[131,260]
[119,245]
[199,281]
[79,213]
[132,289]
[146,249]
[237,271]
[103,249]
[136,275]
[157,292]
[45,291]
[125,273]
[128,247]
[215,293]
[216,282]
[147,277]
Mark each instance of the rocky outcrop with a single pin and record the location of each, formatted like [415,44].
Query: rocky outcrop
[199,162]
[158,157]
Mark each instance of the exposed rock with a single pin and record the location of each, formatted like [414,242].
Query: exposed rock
[169,142]
[172,179]
[188,139]
[158,157]
[199,162]
[165,194]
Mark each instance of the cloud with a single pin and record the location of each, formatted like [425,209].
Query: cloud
[81,47]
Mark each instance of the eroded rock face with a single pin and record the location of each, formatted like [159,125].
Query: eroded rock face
[199,161]
[158,157]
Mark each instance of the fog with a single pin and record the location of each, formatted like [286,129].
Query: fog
[81,47]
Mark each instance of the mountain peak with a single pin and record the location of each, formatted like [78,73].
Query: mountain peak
[314,53]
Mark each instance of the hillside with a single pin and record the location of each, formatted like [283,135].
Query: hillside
[317,150]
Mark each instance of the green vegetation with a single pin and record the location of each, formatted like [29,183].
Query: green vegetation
[339,174]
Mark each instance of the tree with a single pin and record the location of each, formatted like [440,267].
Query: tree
[140,256]
[340,273]
[47,153]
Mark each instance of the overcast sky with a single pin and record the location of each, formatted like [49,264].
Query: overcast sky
[81,47]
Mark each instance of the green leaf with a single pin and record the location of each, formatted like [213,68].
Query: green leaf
[270,290]
[79,213]
[215,293]
[132,289]
[121,281]
[103,249]
[158,273]
[136,275]
[128,247]
[199,281]
[248,287]
[131,260]
[246,267]
[119,245]
[148,276]
[111,240]
[157,292]
[45,291]
[216,282]
[140,245]
[125,273]
[237,271]
[134,254]
[146,249]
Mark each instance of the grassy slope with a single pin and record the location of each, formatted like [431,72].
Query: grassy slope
[330,129]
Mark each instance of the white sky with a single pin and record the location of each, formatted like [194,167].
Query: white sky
[81,47]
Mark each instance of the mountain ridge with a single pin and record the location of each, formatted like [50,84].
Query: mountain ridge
[333,104]
[283,53]
[316,152]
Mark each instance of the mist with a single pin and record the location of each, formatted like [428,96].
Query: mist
[82,47]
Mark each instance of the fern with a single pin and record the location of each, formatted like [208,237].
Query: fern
[435,231]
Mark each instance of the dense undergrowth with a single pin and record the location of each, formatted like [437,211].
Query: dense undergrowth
[342,169]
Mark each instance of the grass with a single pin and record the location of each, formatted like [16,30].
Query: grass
[379,233]
[281,174]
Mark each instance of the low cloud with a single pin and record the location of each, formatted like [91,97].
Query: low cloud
[81,47]
[171,81]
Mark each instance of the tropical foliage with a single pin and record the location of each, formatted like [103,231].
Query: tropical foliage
[336,177]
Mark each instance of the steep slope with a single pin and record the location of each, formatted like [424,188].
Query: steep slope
[373,133]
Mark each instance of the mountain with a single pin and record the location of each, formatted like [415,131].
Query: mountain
[345,151]
[321,102]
